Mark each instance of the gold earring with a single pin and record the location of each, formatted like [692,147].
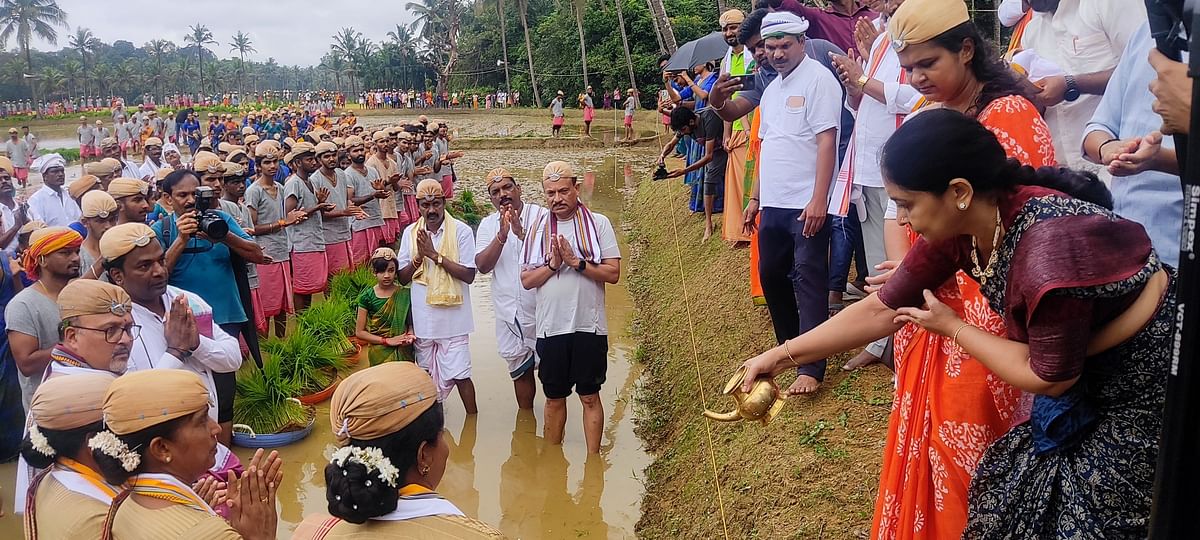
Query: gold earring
[167,459]
[962,206]
[425,470]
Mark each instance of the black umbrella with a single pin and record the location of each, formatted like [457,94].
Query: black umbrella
[181,116]
[699,51]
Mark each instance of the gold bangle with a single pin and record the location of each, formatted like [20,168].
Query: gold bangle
[788,350]
[954,339]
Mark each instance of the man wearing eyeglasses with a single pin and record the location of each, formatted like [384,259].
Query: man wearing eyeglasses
[177,330]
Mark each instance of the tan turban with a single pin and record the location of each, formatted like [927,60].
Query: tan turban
[31,226]
[162,173]
[81,185]
[379,135]
[107,142]
[354,140]
[247,130]
[429,189]
[70,401]
[496,175]
[339,141]
[918,21]
[558,169]
[96,168]
[732,16]
[378,401]
[324,147]
[92,297]
[206,162]
[233,169]
[143,399]
[113,164]
[7,164]
[204,143]
[123,238]
[154,141]
[226,147]
[289,142]
[385,253]
[299,149]
[267,148]
[423,119]
[251,139]
[125,187]
[97,204]
[236,153]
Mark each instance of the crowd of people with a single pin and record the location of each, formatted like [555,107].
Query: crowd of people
[1013,222]
[140,287]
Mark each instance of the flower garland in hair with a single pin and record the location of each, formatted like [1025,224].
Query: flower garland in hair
[39,442]
[108,444]
[372,458]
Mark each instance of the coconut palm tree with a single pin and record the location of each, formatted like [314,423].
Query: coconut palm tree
[242,45]
[200,37]
[578,6]
[51,81]
[625,43]
[86,44]
[346,44]
[123,75]
[26,18]
[72,72]
[334,64]
[523,10]
[439,22]
[663,24]
[158,50]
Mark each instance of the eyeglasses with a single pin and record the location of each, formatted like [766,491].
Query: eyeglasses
[113,334]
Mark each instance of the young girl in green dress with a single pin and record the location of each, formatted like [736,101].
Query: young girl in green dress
[383,313]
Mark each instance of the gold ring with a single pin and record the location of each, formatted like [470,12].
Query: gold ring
[264,499]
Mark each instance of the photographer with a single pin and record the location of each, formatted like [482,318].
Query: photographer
[198,259]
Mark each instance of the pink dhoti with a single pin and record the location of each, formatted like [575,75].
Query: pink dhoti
[260,319]
[337,257]
[447,186]
[310,271]
[363,244]
[391,226]
[275,289]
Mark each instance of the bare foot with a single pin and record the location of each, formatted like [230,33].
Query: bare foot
[707,235]
[863,359]
[805,384]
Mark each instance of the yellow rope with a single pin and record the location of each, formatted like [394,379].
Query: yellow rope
[696,363]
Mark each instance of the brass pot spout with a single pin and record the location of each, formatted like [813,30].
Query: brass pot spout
[761,403]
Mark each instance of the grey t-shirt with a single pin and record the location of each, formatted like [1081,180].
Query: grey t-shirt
[18,152]
[710,126]
[270,210]
[241,214]
[362,186]
[556,107]
[86,135]
[31,313]
[630,105]
[337,229]
[308,235]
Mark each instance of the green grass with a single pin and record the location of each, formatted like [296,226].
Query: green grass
[347,285]
[262,399]
[69,154]
[331,322]
[468,208]
[305,360]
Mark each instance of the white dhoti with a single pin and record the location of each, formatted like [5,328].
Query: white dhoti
[446,360]
[516,342]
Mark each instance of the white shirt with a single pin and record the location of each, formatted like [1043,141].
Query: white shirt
[510,300]
[1010,12]
[219,353]
[149,169]
[794,110]
[9,220]
[440,322]
[56,209]
[1081,36]
[131,170]
[570,302]
[875,122]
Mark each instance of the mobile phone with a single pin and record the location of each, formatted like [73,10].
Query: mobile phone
[747,81]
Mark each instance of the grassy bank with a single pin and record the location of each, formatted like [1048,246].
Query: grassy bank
[812,473]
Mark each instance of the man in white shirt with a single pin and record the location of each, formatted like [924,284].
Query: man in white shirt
[52,204]
[177,331]
[1085,38]
[800,118]
[110,148]
[880,94]
[498,244]
[569,256]
[437,255]
[153,161]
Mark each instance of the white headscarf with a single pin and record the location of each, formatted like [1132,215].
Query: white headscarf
[48,161]
[783,23]
[170,147]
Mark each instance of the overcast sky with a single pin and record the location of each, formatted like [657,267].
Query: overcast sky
[274,26]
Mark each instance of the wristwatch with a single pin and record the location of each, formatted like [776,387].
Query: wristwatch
[862,81]
[581,266]
[438,260]
[1072,93]
[182,354]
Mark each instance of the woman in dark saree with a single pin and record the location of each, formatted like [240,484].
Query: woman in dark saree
[1088,310]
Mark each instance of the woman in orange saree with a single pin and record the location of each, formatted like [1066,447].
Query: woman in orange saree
[948,408]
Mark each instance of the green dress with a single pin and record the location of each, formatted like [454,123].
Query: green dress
[387,317]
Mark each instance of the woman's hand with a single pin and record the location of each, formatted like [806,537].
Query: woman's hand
[211,490]
[763,365]
[252,497]
[936,317]
[874,283]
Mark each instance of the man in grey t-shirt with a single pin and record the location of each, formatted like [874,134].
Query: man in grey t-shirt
[310,268]
[265,200]
[365,190]
[336,222]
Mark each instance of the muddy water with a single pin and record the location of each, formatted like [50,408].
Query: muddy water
[500,470]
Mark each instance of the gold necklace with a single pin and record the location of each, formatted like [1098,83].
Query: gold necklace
[987,272]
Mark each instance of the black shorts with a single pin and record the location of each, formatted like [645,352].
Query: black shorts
[226,384]
[578,360]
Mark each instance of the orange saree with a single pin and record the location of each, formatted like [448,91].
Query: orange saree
[948,408]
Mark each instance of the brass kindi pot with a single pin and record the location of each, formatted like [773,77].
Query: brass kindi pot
[762,402]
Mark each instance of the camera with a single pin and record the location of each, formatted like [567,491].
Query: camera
[211,223]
